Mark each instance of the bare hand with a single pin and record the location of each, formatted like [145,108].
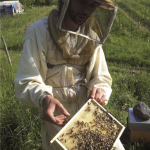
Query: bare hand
[98,95]
[50,105]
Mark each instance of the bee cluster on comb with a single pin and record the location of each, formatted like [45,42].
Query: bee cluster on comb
[91,129]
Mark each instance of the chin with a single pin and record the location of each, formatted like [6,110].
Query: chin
[79,22]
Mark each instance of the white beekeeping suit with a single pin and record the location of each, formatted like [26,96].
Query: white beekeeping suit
[57,62]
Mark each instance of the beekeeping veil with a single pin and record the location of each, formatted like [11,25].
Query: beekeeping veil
[92,32]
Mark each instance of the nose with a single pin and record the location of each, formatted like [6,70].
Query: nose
[85,9]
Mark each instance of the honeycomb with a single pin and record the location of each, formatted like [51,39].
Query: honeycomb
[91,129]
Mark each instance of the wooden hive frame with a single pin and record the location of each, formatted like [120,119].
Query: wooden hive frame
[82,125]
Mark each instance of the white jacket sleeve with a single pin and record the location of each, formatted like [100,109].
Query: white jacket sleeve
[100,76]
[31,72]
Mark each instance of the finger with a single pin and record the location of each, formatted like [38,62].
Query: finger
[62,109]
[92,93]
[98,95]
[64,123]
[59,120]
[62,117]
[102,100]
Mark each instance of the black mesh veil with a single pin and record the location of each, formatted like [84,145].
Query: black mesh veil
[98,26]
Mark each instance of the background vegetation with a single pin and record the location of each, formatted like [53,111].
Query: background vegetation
[36,2]
[127,51]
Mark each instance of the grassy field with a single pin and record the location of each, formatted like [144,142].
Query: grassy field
[124,49]
[20,125]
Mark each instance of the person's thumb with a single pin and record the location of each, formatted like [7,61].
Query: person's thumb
[63,110]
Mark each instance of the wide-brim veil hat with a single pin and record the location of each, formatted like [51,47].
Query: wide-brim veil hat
[100,22]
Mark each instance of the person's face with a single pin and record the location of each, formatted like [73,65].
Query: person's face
[80,10]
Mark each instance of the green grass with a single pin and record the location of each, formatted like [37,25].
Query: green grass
[124,49]
[121,50]
[14,116]
[136,10]
[129,88]
[15,27]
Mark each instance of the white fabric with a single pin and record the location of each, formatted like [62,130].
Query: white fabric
[119,146]
[38,50]
[62,79]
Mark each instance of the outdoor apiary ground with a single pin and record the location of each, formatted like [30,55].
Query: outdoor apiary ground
[91,129]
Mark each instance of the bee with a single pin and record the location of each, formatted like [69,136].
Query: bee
[88,125]
[94,120]
[89,103]
[69,133]
[93,125]
[78,123]
[98,117]
[88,109]
[72,129]
[61,140]
[95,113]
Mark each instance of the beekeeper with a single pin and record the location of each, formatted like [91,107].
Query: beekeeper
[61,53]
